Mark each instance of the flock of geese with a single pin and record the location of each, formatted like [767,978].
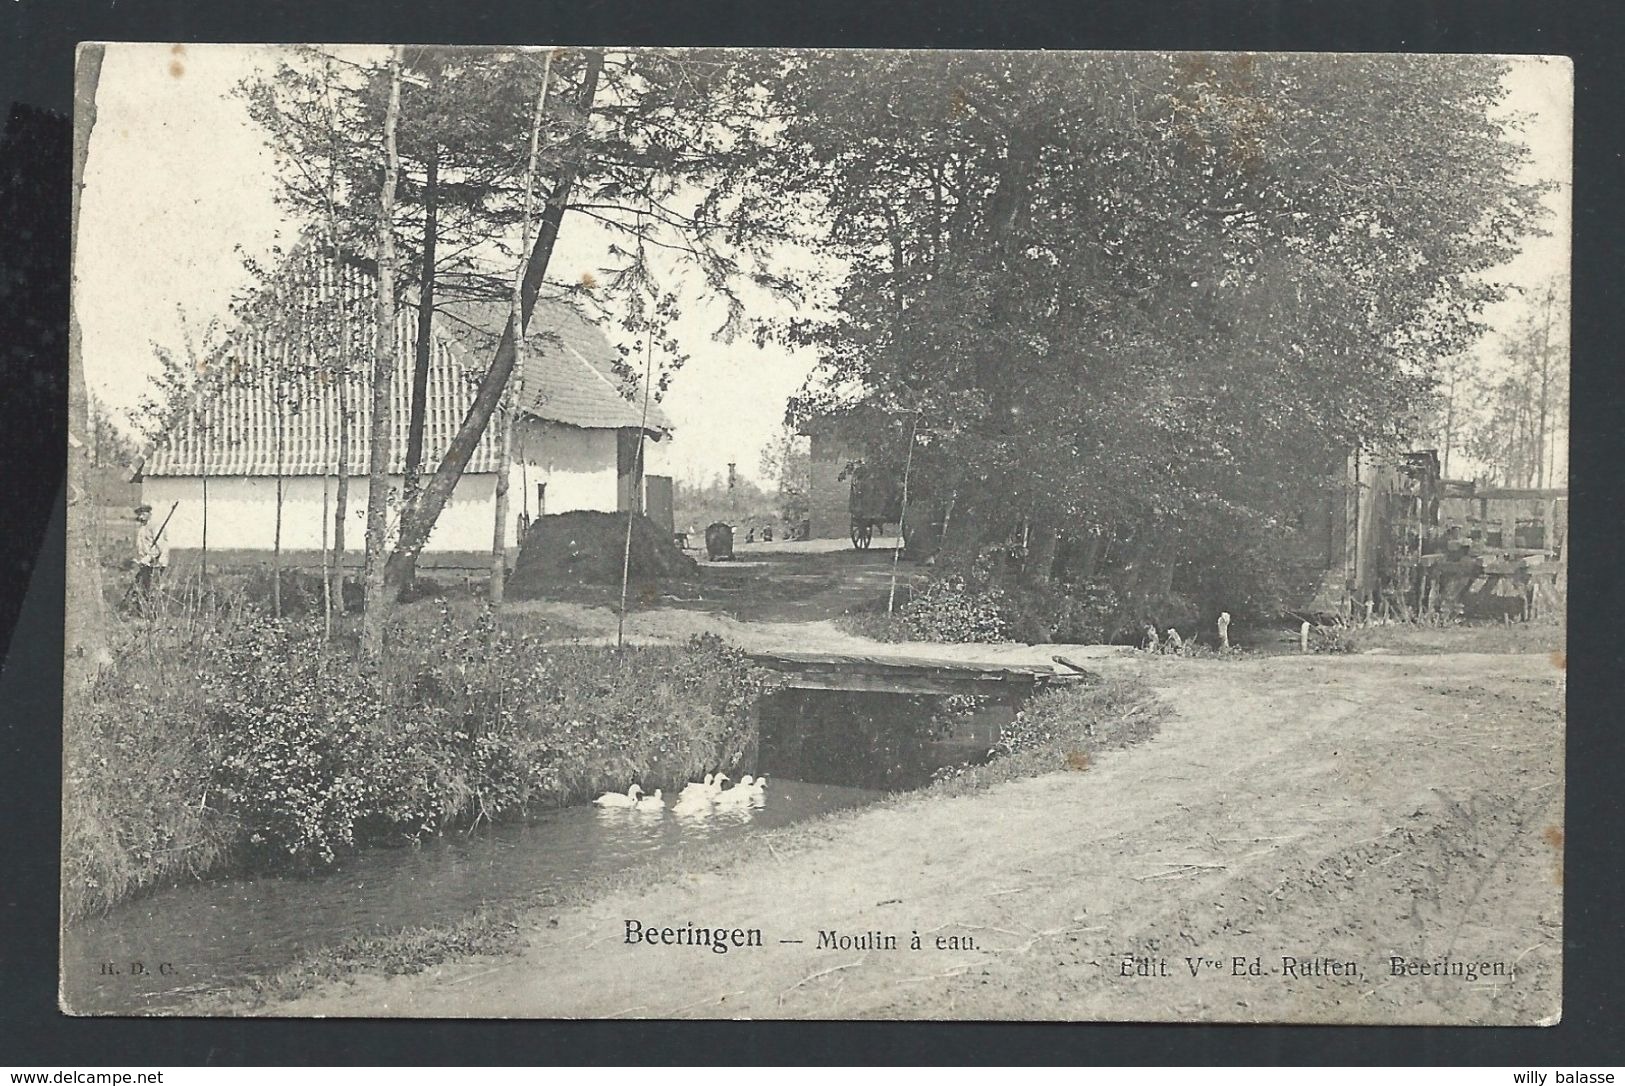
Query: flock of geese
[696,796]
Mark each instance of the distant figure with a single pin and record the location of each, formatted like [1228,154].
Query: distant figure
[719,541]
[1224,631]
[750,535]
[1153,643]
[151,553]
[767,534]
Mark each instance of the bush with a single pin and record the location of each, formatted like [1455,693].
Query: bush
[953,608]
[876,626]
[258,743]
[974,607]
[293,768]
[301,592]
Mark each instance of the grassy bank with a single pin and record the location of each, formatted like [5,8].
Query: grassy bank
[1059,731]
[220,740]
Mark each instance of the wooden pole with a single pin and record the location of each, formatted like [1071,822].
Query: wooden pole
[902,513]
[637,476]
[327,584]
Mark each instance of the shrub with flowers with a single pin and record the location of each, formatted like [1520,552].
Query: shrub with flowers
[292,728]
[260,743]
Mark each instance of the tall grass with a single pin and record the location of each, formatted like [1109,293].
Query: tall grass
[220,739]
[1063,728]
[138,755]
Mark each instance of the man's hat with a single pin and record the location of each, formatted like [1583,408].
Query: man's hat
[143,509]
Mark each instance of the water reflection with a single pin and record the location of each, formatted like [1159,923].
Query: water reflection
[212,935]
[150,954]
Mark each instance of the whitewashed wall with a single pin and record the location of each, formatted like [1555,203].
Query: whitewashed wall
[242,512]
[657,456]
[577,465]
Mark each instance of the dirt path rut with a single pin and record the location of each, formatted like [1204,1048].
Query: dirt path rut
[1297,825]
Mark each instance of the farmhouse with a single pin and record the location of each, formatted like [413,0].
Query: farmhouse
[275,427]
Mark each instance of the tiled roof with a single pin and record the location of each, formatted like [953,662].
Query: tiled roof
[569,374]
[235,428]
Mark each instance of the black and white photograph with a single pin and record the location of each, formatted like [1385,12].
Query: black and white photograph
[597,532]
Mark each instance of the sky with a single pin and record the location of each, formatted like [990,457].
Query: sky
[180,187]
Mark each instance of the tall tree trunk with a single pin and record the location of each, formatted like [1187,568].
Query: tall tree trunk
[499,516]
[86,617]
[425,344]
[339,295]
[1090,558]
[327,571]
[383,373]
[203,568]
[419,520]
[1041,559]
[276,535]
[341,493]
[516,319]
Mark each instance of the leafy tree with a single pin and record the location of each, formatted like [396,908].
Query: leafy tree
[634,138]
[1521,391]
[787,466]
[1150,298]
[1448,411]
[110,446]
[640,130]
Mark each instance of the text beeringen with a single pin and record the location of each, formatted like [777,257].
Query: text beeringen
[718,939]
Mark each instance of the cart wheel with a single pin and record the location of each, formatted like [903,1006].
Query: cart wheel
[862,535]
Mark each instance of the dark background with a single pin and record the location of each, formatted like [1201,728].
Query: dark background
[37,38]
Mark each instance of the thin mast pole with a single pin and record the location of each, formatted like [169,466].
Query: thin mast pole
[637,479]
[902,513]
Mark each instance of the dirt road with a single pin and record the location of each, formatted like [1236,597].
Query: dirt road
[1298,825]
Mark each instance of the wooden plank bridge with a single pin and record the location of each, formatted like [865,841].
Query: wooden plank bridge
[885,674]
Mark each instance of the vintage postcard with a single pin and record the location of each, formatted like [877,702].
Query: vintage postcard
[604,532]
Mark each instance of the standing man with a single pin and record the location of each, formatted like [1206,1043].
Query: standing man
[151,553]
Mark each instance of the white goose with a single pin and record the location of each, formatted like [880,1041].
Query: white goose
[740,794]
[617,799]
[651,803]
[699,806]
[696,790]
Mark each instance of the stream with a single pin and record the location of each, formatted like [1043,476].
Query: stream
[160,950]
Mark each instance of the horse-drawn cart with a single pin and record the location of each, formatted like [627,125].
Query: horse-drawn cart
[876,502]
